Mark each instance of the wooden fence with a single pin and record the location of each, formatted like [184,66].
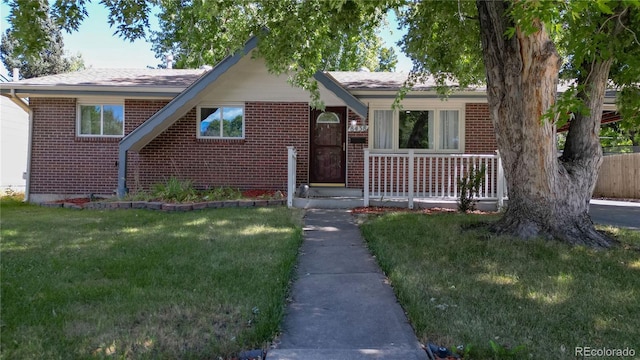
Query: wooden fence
[619,177]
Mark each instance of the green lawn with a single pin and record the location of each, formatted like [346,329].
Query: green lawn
[462,286]
[142,284]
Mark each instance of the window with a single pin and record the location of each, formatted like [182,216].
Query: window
[101,120]
[420,129]
[383,129]
[225,122]
[328,118]
[416,130]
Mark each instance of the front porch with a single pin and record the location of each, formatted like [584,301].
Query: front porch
[409,179]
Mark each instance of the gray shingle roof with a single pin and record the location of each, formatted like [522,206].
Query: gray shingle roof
[362,80]
[353,80]
[121,77]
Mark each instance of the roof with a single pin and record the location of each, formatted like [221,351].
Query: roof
[183,78]
[384,81]
[119,77]
[360,80]
[133,83]
[608,117]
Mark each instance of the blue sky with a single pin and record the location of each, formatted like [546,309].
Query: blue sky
[101,49]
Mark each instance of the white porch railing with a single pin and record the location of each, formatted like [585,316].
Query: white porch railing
[292,162]
[407,176]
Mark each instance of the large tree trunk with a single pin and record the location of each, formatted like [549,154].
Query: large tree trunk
[547,197]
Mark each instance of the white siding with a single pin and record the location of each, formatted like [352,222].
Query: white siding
[249,80]
[14,134]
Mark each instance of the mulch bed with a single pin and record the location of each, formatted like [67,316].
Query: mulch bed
[385,209]
[76,201]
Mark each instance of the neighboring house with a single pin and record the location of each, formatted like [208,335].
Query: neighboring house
[107,132]
[14,135]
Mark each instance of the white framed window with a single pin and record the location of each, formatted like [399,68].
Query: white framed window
[418,127]
[100,119]
[221,121]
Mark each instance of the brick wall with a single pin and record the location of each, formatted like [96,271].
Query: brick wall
[479,135]
[61,162]
[258,161]
[355,152]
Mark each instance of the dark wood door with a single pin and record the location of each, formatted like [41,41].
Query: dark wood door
[328,136]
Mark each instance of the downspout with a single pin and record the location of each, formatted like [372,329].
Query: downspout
[122,172]
[24,106]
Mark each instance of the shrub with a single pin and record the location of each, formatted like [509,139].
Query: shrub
[469,188]
[176,190]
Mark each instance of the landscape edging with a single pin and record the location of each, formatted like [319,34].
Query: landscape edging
[162,206]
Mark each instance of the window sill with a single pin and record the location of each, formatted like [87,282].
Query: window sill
[220,140]
[98,139]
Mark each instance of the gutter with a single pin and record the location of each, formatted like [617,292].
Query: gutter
[18,101]
[24,106]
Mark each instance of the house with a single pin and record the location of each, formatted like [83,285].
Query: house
[110,132]
[14,133]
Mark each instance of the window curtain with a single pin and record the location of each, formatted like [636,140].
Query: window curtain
[382,129]
[449,130]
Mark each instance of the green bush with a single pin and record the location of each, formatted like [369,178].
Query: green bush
[175,190]
[222,193]
[469,189]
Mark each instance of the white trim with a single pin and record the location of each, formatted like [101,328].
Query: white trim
[97,100]
[220,105]
[420,105]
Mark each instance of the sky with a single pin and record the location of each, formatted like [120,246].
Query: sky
[101,49]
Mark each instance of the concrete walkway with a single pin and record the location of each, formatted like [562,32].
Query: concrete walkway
[342,307]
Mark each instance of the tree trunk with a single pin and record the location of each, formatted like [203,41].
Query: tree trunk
[547,197]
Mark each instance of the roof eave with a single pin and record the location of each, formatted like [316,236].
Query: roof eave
[331,84]
[181,104]
[90,90]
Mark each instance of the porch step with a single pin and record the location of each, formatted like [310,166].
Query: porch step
[322,192]
[328,202]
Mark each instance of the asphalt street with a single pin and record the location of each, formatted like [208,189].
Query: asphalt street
[616,213]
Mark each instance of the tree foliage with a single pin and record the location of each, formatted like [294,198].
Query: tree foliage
[48,57]
[203,33]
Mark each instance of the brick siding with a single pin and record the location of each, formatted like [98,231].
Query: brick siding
[259,161]
[479,135]
[355,152]
[63,163]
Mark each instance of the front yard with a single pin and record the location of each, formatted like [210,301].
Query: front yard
[142,284]
[462,286]
[139,284]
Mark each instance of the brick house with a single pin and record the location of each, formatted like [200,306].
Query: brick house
[107,132]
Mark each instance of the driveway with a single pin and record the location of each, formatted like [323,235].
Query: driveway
[617,213]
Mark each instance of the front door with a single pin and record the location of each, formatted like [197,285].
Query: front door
[328,143]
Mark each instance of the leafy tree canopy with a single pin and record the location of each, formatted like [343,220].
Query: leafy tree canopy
[203,34]
[47,57]
[442,36]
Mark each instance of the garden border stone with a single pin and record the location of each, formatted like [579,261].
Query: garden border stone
[161,206]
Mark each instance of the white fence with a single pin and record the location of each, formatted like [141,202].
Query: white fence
[409,176]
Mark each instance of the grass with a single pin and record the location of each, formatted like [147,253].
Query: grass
[462,286]
[142,284]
